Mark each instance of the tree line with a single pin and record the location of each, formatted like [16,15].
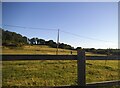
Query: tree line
[37,41]
[14,39]
[108,51]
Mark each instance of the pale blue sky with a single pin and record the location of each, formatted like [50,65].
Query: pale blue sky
[93,21]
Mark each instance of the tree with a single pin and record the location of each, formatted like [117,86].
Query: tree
[51,43]
[41,41]
[25,40]
[12,38]
[65,46]
[33,41]
[62,45]
[79,48]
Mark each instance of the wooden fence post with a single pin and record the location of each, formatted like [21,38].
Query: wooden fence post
[81,67]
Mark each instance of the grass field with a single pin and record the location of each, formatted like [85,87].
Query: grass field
[53,72]
[41,49]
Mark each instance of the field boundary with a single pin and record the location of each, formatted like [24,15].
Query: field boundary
[81,63]
[8,57]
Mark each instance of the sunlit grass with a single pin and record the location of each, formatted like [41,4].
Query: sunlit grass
[55,73]
[42,49]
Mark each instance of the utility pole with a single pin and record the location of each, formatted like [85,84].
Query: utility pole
[57,42]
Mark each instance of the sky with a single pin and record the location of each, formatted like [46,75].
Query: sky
[81,24]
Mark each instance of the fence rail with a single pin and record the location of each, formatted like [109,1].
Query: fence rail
[54,57]
[104,83]
[80,57]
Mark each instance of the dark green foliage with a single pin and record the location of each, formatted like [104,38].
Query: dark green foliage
[90,49]
[103,51]
[12,38]
[51,43]
[79,48]
[41,41]
[65,46]
[108,51]
[33,41]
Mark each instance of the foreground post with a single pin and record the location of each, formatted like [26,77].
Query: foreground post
[81,67]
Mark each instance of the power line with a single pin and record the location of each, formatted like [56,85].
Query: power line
[55,29]
[80,36]
[31,27]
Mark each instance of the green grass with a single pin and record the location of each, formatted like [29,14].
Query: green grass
[42,49]
[36,49]
[55,73]
[39,73]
